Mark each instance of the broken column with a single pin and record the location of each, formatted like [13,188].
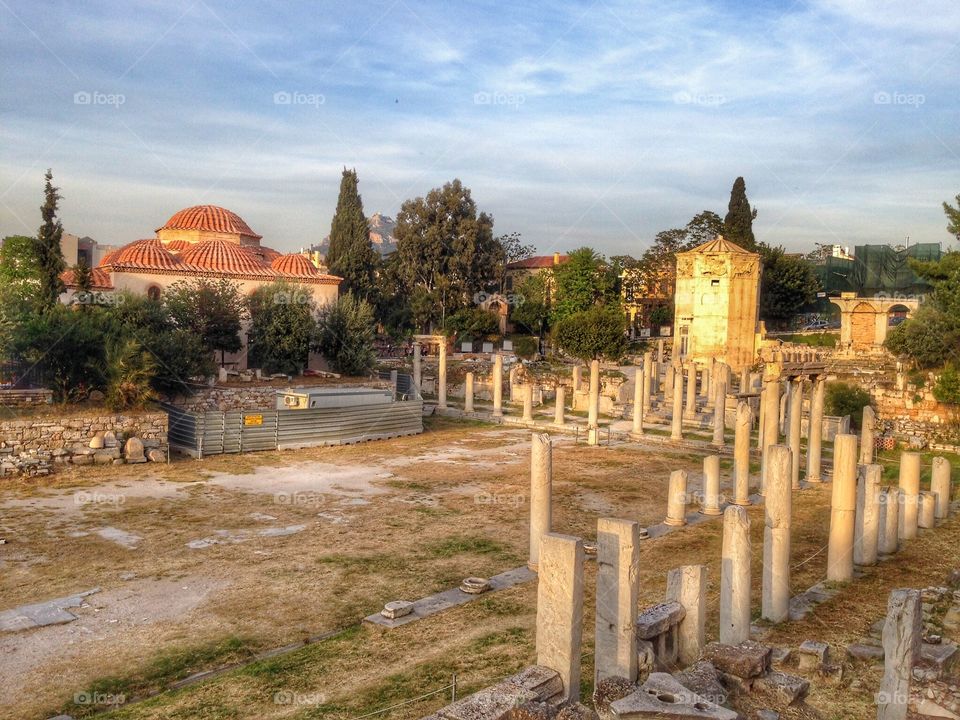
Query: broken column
[648,375]
[677,499]
[690,410]
[719,410]
[417,367]
[577,378]
[618,590]
[498,385]
[468,393]
[940,484]
[560,609]
[735,561]
[668,382]
[706,376]
[676,418]
[775,604]
[796,407]
[867,428]
[815,430]
[902,633]
[910,487]
[660,355]
[593,411]
[711,485]
[541,493]
[639,395]
[528,402]
[843,509]
[687,585]
[558,418]
[770,416]
[888,534]
[927,510]
[867,524]
[442,376]
[741,454]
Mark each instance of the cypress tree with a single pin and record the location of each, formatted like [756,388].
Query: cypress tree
[49,254]
[83,277]
[351,256]
[738,223]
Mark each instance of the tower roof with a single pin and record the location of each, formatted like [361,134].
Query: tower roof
[211,218]
[720,245]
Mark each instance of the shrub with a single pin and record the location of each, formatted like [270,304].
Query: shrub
[130,371]
[594,333]
[947,387]
[345,335]
[846,399]
[282,326]
[526,347]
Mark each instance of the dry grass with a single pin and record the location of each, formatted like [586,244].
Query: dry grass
[424,533]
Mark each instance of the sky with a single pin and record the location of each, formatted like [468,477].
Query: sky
[573,123]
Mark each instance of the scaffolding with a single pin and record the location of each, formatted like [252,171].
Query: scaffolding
[878,269]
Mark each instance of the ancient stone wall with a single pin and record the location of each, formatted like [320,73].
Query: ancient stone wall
[915,412]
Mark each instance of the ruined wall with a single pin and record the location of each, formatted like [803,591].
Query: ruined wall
[915,412]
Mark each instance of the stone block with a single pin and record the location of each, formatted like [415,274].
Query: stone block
[397,608]
[493,703]
[703,679]
[543,681]
[747,660]
[658,619]
[788,688]
[813,655]
[861,651]
[663,697]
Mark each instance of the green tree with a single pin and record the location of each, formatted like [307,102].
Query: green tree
[351,256]
[787,284]
[930,338]
[130,372]
[345,335]
[48,253]
[953,218]
[531,307]
[19,283]
[703,227]
[446,252]
[845,399]
[470,323]
[947,387]
[282,327]
[595,333]
[510,248]
[738,222]
[83,276]
[585,280]
[212,310]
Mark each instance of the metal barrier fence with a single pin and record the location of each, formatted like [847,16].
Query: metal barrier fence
[235,431]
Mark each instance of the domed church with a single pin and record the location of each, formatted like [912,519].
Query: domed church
[205,241]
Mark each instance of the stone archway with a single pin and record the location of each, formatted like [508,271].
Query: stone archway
[864,321]
[863,325]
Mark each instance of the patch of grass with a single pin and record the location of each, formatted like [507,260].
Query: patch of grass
[460,545]
[510,636]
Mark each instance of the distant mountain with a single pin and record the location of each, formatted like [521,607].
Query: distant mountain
[381,236]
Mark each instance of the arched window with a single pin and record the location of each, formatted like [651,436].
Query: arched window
[153,292]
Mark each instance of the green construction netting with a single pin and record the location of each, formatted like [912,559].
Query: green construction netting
[877,268]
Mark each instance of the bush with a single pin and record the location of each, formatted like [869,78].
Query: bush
[130,371]
[846,399]
[345,335]
[282,327]
[526,347]
[947,387]
[593,334]
[471,323]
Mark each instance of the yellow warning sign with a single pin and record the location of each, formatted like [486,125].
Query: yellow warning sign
[249,420]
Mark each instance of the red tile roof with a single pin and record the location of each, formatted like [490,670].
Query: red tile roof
[226,257]
[99,279]
[537,262]
[294,264]
[208,217]
[146,254]
[177,246]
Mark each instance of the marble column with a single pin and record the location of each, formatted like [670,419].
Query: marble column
[541,493]
[784,397]
[778,507]
[468,393]
[498,385]
[442,377]
[867,431]
[677,499]
[867,527]
[745,380]
[910,487]
[560,610]
[796,408]
[741,454]
[618,590]
[940,484]
[902,635]
[668,383]
[676,418]
[417,367]
[648,375]
[815,431]
[690,410]
[577,378]
[660,350]
[771,420]
[558,418]
[706,376]
[640,380]
[843,509]
[719,410]
[735,558]
[927,510]
[687,585]
[593,411]
[888,536]
[528,401]
[711,485]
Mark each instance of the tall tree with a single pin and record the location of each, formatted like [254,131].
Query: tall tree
[703,227]
[787,284]
[282,327]
[510,249]
[212,310]
[345,335]
[738,223]
[48,252]
[351,256]
[953,218]
[446,252]
[585,280]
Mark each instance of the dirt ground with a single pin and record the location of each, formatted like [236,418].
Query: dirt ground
[203,564]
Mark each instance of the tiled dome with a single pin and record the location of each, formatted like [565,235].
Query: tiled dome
[208,217]
[146,254]
[177,246]
[225,257]
[99,279]
[107,259]
[267,253]
[294,264]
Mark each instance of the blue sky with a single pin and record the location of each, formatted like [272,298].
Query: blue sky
[574,123]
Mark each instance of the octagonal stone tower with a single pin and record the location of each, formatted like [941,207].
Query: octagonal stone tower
[717,304]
